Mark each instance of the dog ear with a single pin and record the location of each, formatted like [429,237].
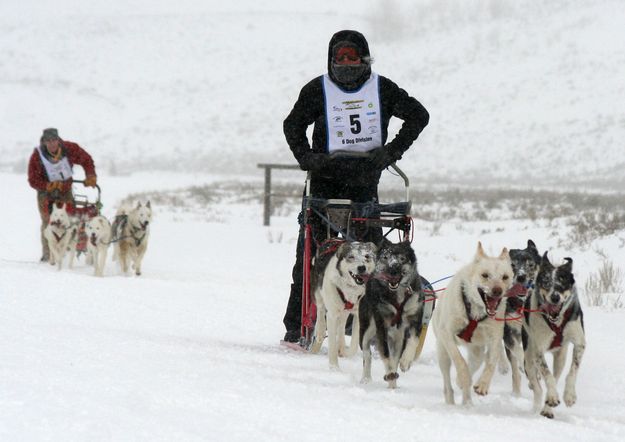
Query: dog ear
[479,254]
[342,250]
[545,259]
[504,254]
[568,265]
[138,204]
[531,245]
[148,205]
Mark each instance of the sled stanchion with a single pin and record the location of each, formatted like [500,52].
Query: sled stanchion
[306,298]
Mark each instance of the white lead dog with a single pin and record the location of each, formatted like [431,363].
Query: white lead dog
[58,233]
[466,315]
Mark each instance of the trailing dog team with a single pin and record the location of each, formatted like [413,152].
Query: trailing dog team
[517,301]
[129,233]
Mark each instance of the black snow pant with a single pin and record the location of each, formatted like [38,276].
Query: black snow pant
[293,315]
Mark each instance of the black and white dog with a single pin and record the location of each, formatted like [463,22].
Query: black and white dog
[525,267]
[391,312]
[553,320]
[339,274]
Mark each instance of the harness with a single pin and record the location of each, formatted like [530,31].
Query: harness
[558,329]
[466,334]
[400,307]
[348,305]
[119,224]
[65,229]
[135,229]
[59,238]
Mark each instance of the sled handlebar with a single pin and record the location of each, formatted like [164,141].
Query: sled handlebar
[352,154]
[85,202]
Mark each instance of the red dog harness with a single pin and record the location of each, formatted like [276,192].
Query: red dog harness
[348,305]
[467,333]
[558,330]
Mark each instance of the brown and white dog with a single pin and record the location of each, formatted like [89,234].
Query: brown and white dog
[339,275]
[466,315]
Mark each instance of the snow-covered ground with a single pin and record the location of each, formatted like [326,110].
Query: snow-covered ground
[167,95]
[189,350]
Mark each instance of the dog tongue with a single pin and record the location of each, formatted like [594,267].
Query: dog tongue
[516,290]
[492,304]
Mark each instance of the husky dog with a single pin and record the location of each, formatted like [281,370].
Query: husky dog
[391,312]
[340,272]
[58,232]
[553,321]
[131,230]
[98,230]
[525,266]
[466,315]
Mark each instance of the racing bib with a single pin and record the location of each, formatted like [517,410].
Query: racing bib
[353,118]
[59,171]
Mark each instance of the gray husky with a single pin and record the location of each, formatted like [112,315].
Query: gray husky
[525,267]
[391,312]
[339,274]
[554,319]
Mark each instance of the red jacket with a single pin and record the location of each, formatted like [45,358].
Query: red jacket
[37,176]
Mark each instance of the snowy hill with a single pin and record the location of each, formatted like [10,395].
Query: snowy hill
[514,87]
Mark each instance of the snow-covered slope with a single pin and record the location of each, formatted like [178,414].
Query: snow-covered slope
[516,90]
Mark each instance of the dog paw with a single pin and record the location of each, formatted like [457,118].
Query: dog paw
[365,380]
[552,400]
[404,364]
[569,398]
[481,388]
[391,376]
[547,413]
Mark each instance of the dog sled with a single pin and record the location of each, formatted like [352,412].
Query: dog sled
[84,207]
[351,221]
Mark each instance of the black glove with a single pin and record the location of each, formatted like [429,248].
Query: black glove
[313,161]
[381,158]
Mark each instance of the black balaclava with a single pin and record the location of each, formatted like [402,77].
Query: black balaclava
[349,77]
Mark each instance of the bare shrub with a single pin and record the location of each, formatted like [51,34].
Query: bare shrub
[604,288]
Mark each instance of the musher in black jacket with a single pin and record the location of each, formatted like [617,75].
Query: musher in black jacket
[350,108]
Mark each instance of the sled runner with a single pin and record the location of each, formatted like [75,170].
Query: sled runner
[350,221]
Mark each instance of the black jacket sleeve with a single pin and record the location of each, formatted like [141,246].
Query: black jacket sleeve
[308,109]
[398,103]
